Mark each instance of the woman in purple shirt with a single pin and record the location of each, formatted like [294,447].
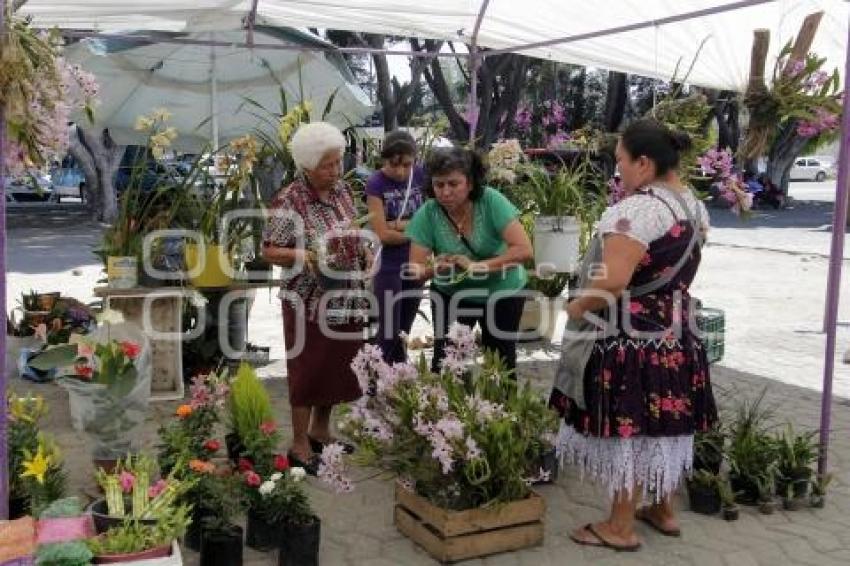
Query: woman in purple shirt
[393,193]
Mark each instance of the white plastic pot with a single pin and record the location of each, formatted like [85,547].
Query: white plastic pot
[545,317]
[556,244]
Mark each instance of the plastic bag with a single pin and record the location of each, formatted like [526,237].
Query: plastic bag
[112,418]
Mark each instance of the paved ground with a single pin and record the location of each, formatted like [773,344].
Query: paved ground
[768,274]
[357,528]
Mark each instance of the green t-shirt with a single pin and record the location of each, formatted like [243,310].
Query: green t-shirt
[430,228]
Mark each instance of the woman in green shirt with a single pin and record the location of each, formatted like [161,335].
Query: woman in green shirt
[467,238]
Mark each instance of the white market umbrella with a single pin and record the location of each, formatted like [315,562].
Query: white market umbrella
[206,88]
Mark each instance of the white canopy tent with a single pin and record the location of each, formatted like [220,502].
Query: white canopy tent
[653,50]
[647,37]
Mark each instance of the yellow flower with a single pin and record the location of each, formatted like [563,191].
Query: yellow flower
[26,409]
[36,466]
[161,114]
[143,123]
[170,133]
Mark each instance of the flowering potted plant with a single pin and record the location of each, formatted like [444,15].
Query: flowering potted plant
[276,501]
[132,491]
[459,440]
[717,165]
[190,434]
[110,387]
[36,475]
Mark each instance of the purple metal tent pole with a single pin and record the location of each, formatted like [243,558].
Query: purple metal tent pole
[474,62]
[836,258]
[4,431]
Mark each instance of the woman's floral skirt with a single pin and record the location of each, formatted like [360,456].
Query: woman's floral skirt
[644,400]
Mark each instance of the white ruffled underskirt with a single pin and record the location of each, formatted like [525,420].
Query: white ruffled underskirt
[656,464]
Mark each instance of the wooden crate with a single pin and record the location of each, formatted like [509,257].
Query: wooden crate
[450,536]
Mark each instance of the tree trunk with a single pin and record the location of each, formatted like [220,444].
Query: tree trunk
[442,92]
[81,153]
[106,155]
[782,155]
[579,117]
[385,91]
[615,101]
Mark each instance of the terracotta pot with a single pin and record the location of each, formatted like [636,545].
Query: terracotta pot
[158,552]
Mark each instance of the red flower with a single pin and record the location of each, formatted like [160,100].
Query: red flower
[130,349]
[281,463]
[625,430]
[676,230]
[268,428]
[245,465]
[84,371]
[252,479]
[635,307]
[212,445]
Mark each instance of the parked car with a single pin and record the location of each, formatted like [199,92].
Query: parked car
[68,182]
[34,187]
[812,169]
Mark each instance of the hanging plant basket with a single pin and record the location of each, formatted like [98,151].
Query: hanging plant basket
[556,243]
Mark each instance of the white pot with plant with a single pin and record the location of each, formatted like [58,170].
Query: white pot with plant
[567,200]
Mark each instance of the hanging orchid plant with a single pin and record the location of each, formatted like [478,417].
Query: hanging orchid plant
[803,99]
[39,90]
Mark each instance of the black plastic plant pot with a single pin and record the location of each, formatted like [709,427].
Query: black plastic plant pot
[746,490]
[300,544]
[260,534]
[192,538]
[730,513]
[705,499]
[234,446]
[18,507]
[710,464]
[221,547]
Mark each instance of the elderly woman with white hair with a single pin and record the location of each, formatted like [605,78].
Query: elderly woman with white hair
[322,326]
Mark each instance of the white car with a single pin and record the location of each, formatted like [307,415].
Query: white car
[29,188]
[812,169]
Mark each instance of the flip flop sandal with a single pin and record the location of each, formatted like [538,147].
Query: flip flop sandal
[317,445]
[641,515]
[602,543]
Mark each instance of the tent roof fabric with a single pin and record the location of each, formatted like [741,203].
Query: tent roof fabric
[653,51]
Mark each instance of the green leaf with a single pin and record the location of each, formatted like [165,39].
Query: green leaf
[58,356]
[330,103]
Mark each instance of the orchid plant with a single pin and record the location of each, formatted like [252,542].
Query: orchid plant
[717,164]
[461,437]
[802,95]
[39,90]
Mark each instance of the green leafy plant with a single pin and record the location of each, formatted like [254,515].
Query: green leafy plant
[709,448]
[752,452]
[280,498]
[216,495]
[133,536]
[796,454]
[251,416]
